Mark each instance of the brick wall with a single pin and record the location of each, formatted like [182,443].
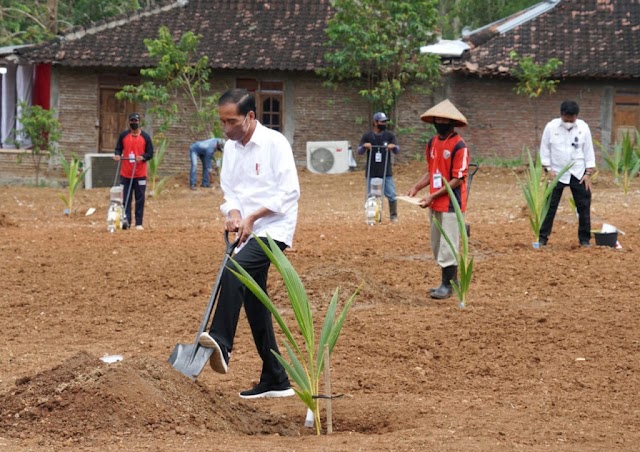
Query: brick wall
[501,123]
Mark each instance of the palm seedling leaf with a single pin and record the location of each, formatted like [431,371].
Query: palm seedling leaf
[295,289]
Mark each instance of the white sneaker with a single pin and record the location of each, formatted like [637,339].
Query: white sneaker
[217,362]
[139,228]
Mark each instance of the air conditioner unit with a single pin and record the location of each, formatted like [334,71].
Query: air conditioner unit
[328,157]
[101,170]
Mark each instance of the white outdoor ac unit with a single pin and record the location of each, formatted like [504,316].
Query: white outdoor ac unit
[101,170]
[328,157]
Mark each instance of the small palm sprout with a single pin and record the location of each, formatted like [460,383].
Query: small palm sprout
[536,190]
[306,361]
[74,177]
[464,261]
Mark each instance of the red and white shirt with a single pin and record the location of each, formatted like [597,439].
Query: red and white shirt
[447,158]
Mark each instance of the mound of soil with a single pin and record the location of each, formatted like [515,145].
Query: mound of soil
[84,395]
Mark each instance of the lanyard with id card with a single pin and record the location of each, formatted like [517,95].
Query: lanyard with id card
[378,157]
[437,181]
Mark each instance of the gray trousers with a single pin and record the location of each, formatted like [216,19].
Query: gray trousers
[442,253]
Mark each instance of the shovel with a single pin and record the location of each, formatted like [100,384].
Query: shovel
[190,359]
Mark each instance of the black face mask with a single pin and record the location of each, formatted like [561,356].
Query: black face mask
[382,127]
[443,129]
[134,125]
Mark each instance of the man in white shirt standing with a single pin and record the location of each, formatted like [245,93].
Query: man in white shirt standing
[261,191]
[567,140]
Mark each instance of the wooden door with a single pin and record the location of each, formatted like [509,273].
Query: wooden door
[113,118]
[626,114]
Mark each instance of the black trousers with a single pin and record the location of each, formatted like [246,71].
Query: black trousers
[582,198]
[134,187]
[233,294]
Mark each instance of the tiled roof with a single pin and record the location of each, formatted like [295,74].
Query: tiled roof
[237,34]
[593,39]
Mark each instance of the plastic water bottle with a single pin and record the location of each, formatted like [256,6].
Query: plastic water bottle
[112,215]
[371,210]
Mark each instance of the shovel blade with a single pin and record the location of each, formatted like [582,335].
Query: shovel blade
[190,359]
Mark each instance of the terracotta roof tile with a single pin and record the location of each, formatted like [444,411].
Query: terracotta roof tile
[593,39]
[238,34]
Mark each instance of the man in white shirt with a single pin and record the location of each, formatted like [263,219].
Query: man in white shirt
[567,140]
[261,191]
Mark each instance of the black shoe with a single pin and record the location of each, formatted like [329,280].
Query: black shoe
[584,243]
[219,360]
[442,292]
[542,242]
[268,390]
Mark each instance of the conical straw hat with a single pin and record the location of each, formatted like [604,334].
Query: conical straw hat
[444,109]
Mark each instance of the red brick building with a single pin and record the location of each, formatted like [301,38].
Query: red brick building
[275,46]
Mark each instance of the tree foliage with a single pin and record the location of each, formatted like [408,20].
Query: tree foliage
[33,21]
[378,42]
[43,130]
[177,88]
[458,14]
[534,78]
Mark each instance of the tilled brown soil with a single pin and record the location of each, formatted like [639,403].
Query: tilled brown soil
[545,356]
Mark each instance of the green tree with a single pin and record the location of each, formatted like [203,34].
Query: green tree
[533,80]
[457,14]
[377,42]
[33,21]
[43,130]
[177,89]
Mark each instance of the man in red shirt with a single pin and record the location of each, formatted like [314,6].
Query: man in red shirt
[134,148]
[447,159]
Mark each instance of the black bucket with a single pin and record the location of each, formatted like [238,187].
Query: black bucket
[606,238]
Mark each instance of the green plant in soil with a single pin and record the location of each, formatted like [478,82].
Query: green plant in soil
[536,189]
[462,256]
[74,173]
[306,359]
[624,161]
[157,184]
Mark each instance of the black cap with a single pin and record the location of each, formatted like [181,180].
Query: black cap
[134,116]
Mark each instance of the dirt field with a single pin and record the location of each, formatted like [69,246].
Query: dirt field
[545,357]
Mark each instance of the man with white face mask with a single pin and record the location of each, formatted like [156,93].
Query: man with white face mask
[567,140]
[261,191]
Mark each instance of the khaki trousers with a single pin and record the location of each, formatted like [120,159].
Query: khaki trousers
[442,253]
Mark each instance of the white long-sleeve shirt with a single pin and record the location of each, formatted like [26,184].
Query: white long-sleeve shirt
[262,174]
[560,146]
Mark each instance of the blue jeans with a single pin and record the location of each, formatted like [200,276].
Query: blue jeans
[389,188]
[202,150]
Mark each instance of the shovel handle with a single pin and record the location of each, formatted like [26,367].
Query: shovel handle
[230,245]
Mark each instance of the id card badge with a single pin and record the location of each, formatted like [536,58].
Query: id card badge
[378,157]
[437,181]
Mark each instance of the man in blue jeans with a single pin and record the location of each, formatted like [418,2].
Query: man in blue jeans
[203,150]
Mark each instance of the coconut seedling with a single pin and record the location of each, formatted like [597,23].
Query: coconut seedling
[623,161]
[462,256]
[306,359]
[74,177]
[536,189]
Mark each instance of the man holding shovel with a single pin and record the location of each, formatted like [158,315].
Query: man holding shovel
[261,191]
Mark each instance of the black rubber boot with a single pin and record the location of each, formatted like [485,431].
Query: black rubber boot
[445,290]
[393,210]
